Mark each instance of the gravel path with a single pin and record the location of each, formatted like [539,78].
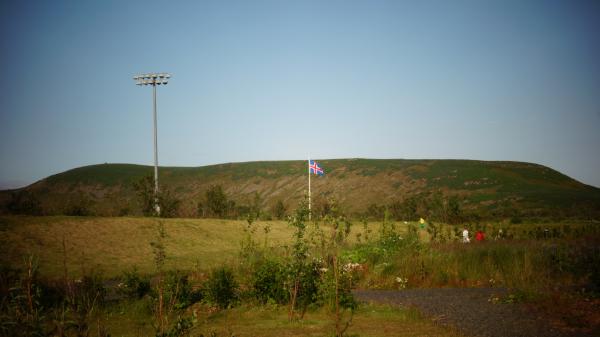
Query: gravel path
[469,310]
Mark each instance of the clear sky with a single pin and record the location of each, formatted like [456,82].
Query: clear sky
[274,80]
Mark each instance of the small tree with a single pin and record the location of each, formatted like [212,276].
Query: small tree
[144,189]
[337,286]
[216,201]
[222,288]
[279,210]
[24,202]
[256,206]
[169,204]
[81,205]
[454,212]
[158,248]
[303,276]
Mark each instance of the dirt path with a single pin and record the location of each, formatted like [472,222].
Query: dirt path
[470,310]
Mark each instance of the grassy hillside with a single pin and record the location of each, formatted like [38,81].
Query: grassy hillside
[112,245]
[481,186]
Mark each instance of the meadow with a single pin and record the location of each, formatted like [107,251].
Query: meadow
[109,272]
[114,245]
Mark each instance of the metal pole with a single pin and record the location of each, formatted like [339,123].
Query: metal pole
[156,206]
[309,211]
[154,79]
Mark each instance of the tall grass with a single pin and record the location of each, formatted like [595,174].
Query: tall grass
[534,264]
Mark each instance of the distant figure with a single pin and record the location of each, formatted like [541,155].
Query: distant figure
[465,234]
[480,236]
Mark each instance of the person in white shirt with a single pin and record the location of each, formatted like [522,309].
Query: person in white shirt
[465,234]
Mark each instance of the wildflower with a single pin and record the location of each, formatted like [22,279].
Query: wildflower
[348,267]
[402,282]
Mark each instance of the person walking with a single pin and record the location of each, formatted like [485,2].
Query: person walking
[480,236]
[465,236]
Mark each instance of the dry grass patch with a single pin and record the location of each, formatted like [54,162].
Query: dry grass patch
[112,245]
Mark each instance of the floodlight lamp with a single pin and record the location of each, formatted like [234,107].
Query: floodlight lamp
[152,79]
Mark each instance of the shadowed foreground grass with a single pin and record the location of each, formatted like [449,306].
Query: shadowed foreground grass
[369,320]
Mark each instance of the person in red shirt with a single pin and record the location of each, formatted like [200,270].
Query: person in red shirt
[480,236]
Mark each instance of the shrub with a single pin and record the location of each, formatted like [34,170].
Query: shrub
[268,283]
[24,202]
[279,210]
[216,202]
[328,293]
[221,288]
[178,290]
[134,285]
[168,203]
[308,284]
[80,206]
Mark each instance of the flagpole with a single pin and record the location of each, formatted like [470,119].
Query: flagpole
[309,211]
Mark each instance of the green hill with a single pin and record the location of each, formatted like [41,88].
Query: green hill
[359,186]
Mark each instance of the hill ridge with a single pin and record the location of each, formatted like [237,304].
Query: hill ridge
[483,186]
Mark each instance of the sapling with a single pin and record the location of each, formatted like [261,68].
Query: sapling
[298,262]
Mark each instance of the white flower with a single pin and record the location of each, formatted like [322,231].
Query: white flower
[402,282]
[351,266]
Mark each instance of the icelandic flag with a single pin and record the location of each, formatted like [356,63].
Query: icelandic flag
[314,168]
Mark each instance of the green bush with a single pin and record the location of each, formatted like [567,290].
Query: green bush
[24,202]
[178,290]
[221,288]
[169,204]
[309,279]
[134,285]
[327,289]
[268,283]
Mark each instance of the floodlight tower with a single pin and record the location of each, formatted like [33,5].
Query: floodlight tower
[154,79]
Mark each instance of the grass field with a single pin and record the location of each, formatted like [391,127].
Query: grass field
[267,321]
[112,245]
[537,257]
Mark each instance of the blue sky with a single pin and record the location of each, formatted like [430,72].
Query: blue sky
[275,80]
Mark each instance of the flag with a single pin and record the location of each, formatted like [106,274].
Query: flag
[314,168]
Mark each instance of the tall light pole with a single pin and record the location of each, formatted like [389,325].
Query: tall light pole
[154,79]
